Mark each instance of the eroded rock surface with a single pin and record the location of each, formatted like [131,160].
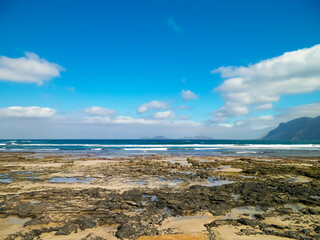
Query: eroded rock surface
[155,197]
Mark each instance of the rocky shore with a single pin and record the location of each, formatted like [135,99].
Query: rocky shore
[51,196]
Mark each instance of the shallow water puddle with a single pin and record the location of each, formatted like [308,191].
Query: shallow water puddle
[295,207]
[167,211]
[182,162]
[6,180]
[176,180]
[246,176]
[137,182]
[10,176]
[217,182]
[22,172]
[236,213]
[153,198]
[315,197]
[298,179]
[161,179]
[71,180]
[235,196]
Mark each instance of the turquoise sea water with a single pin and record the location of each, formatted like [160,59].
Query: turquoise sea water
[127,147]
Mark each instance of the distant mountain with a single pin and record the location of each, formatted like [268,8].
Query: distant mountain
[304,128]
[198,137]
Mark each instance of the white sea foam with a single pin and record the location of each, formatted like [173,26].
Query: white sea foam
[206,148]
[184,145]
[242,148]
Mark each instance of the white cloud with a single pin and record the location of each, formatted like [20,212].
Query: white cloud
[175,26]
[121,120]
[28,112]
[28,69]
[163,120]
[268,121]
[152,105]
[164,115]
[268,117]
[227,125]
[307,110]
[119,127]
[255,87]
[188,95]
[95,110]
[263,107]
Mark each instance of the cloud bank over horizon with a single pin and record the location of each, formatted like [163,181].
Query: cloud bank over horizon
[26,112]
[245,90]
[257,86]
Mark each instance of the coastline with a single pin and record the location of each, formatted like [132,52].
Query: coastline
[83,196]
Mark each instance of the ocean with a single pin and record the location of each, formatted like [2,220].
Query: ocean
[126,147]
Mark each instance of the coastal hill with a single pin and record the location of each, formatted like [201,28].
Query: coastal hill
[304,128]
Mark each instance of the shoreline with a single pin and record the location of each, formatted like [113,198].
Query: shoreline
[76,196]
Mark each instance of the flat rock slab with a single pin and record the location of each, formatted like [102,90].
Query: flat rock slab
[192,236]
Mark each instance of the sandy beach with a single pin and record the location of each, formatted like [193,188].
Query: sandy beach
[66,196]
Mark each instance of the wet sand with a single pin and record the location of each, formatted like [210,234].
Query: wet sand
[52,196]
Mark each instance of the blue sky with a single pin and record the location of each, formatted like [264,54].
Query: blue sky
[120,55]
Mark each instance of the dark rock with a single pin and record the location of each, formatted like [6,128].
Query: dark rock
[277,226]
[135,230]
[249,231]
[305,231]
[125,231]
[291,234]
[85,222]
[249,222]
[24,209]
[259,216]
[67,229]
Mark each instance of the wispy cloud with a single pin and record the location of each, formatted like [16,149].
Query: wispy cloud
[285,115]
[95,110]
[188,95]
[255,87]
[152,105]
[175,26]
[28,69]
[26,112]
[164,115]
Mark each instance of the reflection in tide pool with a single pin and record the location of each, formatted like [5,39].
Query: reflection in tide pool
[71,180]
